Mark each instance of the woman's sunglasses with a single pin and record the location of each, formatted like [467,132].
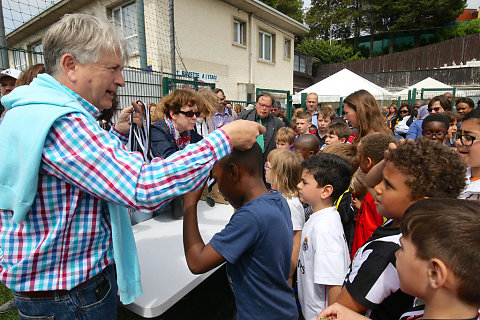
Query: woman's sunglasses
[190,113]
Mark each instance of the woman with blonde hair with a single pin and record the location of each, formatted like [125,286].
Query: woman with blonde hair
[283,171]
[363,113]
[209,101]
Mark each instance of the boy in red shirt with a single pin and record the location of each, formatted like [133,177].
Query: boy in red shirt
[371,151]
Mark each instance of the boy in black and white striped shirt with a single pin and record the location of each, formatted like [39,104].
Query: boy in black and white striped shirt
[411,172]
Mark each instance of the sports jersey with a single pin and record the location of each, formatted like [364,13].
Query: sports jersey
[323,260]
[372,279]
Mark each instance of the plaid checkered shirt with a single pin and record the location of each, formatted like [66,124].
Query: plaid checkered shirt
[66,237]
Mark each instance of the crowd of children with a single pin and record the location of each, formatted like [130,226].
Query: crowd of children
[377,228]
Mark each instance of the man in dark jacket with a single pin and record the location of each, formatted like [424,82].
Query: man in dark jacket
[262,115]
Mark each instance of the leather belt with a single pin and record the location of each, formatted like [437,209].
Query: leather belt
[53,293]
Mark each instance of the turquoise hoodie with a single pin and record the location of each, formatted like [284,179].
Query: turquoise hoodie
[39,105]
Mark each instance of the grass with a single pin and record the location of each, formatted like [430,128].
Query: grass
[211,300]
[5,296]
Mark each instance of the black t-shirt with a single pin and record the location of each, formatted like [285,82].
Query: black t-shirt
[321,140]
[345,209]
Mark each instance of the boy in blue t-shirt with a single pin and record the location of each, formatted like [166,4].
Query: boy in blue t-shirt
[256,243]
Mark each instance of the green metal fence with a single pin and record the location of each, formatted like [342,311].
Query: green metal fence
[144,85]
[428,93]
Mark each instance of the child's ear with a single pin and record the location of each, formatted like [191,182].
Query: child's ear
[343,140]
[437,273]
[370,163]
[327,191]
[311,153]
[234,172]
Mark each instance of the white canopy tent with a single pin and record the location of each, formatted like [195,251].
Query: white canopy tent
[427,83]
[341,84]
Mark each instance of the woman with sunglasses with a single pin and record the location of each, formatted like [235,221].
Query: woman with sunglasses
[175,117]
[172,130]
[404,120]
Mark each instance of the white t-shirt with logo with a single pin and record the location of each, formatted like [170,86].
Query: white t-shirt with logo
[323,260]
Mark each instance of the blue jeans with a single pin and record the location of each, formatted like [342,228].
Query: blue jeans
[95,300]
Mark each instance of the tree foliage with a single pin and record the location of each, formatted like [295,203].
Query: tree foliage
[340,19]
[419,14]
[329,18]
[463,29]
[292,8]
[337,51]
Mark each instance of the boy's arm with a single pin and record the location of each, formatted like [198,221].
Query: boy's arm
[297,238]
[200,257]
[333,292]
[339,312]
[345,299]
[374,177]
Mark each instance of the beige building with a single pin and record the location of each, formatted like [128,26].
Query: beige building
[241,45]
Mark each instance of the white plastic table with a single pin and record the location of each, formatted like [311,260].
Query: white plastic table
[164,272]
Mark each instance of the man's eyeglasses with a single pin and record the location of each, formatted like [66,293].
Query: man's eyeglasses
[430,134]
[264,106]
[465,139]
[436,109]
[190,113]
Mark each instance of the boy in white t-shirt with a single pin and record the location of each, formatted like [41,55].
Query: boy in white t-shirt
[324,259]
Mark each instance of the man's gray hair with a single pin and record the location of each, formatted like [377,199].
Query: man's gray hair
[85,37]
